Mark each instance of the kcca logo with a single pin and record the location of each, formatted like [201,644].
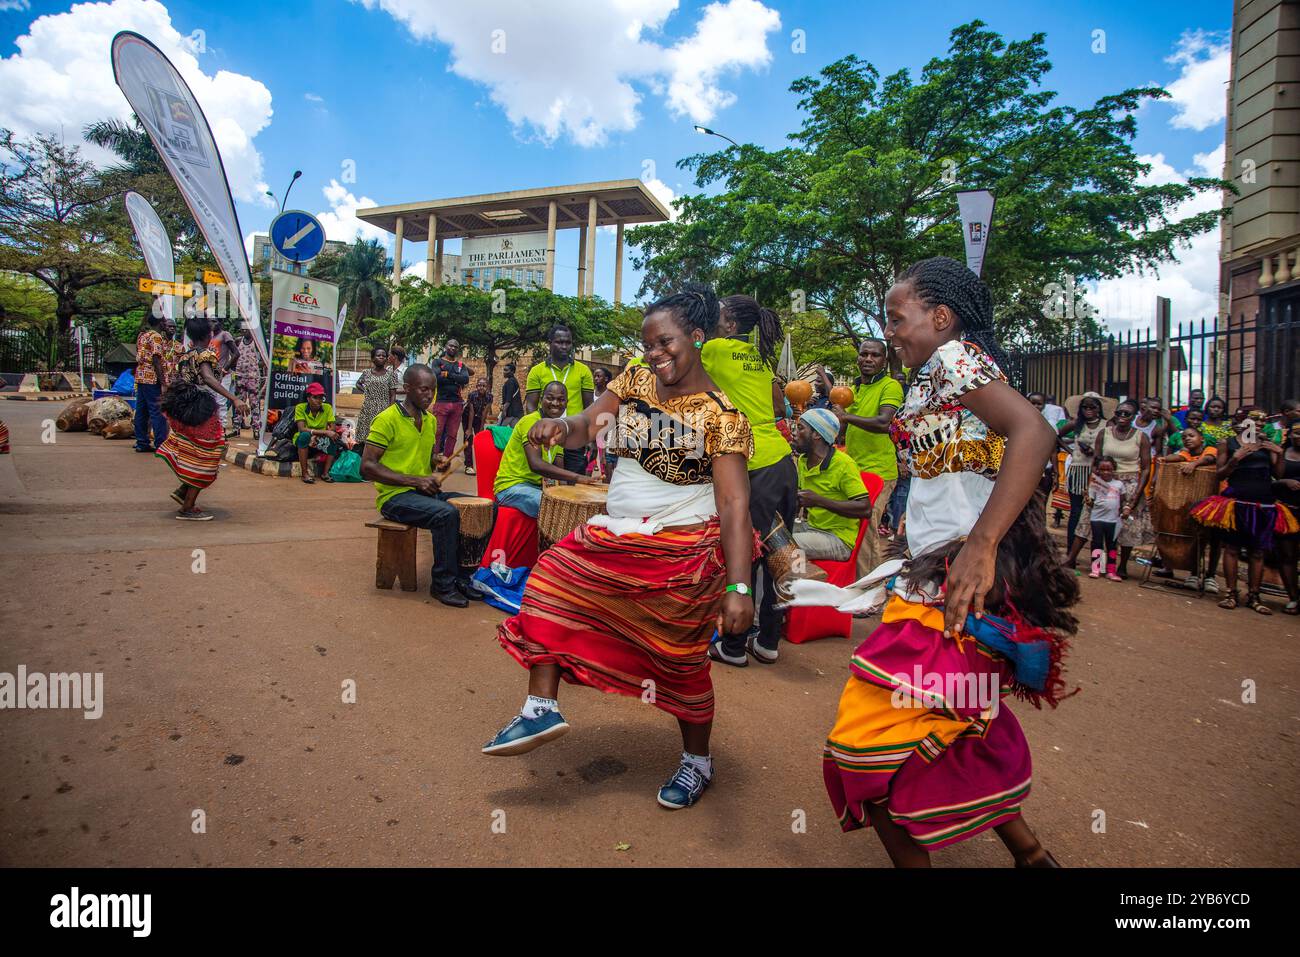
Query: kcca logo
[305,298]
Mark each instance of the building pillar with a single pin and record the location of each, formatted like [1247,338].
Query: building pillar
[582,260]
[437,264]
[550,246]
[397,262]
[432,273]
[618,264]
[590,251]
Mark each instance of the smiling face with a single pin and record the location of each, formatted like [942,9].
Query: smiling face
[670,350]
[1124,414]
[555,400]
[914,329]
[872,357]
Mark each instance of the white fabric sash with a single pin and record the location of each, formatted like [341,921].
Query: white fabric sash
[638,503]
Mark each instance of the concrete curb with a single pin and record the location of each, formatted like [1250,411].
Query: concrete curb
[52,397]
[252,462]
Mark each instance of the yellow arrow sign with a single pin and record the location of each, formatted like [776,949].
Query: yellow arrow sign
[165,288]
[213,278]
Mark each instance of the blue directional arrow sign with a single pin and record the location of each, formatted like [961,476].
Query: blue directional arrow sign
[297,236]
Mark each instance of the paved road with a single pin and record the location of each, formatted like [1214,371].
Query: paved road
[223,695]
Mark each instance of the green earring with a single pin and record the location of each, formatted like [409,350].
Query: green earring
[698,344]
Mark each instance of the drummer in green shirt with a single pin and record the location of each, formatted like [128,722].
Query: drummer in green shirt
[575,376]
[876,397]
[830,487]
[518,483]
[744,373]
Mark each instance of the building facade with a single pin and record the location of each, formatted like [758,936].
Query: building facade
[1259,281]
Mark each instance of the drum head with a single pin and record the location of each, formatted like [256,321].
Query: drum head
[588,494]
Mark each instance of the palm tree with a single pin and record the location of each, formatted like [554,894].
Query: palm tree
[361,273]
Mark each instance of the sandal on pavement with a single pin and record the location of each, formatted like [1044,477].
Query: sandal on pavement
[308,479]
[1230,600]
[1291,608]
[326,478]
[1256,605]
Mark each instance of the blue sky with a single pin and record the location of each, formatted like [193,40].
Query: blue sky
[410,91]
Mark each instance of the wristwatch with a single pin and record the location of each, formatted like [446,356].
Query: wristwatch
[741,588]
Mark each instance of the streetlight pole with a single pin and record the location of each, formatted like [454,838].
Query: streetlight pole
[296,174]
[708,132]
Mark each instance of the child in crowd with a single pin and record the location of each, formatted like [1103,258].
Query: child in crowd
[1105,498]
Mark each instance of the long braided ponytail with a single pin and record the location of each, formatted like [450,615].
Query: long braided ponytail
[941,281]
[746,313]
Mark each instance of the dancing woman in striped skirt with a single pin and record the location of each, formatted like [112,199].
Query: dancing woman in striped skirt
[195,441]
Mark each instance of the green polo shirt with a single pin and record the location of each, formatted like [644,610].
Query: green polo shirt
[873,451]
[514,468]
[841,481]
[314,420]
[406,450]
[739,371]
[576,377]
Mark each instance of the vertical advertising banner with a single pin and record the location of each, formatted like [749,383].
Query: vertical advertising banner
[303,312]
[171,116]
[976,209]
[154,243]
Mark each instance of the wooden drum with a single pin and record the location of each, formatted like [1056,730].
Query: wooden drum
[564,508]
[1171,512]
[475,529]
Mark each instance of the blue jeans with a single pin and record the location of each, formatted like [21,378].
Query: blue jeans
[442,520]
[148,414]
[527,498]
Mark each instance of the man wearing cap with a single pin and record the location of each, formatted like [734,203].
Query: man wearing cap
[317,431]
[830,488]
[399,457]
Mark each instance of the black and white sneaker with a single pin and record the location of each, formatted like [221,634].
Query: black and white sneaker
[717,654]
[764,656]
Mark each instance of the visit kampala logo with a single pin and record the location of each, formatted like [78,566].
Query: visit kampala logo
[75,690]
[103,910]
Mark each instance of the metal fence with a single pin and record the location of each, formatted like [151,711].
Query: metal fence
[1251,360]
[28,350]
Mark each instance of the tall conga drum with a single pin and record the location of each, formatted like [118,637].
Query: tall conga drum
[1177,533]
[475,530]
[564,508]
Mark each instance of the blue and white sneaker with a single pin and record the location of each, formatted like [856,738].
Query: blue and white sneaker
[522,734]
[684,788]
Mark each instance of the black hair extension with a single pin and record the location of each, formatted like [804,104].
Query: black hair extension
[941,281]
[746,313]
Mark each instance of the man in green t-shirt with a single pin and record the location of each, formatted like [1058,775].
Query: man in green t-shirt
[876,397]
[523,465]
[399,458]
[317,431]
[560,366]
[830,487]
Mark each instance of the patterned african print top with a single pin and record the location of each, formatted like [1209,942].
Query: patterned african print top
[188,362]
[675,440]
[952,455]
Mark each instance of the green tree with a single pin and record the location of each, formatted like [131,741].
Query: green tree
[54,227]
[869,185]
[362,273]
[506,320]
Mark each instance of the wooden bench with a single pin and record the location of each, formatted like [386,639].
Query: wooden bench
[395,559]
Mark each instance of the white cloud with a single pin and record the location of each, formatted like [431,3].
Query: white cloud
[1199,93]
[61,79]
[571,68]
[1191,283]
[340,220]
[313,98]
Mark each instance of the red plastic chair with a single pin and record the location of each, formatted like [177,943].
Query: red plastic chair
[514,535]
[809,623]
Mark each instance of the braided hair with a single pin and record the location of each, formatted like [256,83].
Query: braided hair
[695,307]
[941,281]
[746,313]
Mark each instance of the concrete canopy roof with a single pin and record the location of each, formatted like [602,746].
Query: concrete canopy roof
[617,201]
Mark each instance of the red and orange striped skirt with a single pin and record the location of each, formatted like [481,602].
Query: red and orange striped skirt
[194,452]
[629,614]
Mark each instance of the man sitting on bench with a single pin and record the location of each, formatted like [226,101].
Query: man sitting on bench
[399,459]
